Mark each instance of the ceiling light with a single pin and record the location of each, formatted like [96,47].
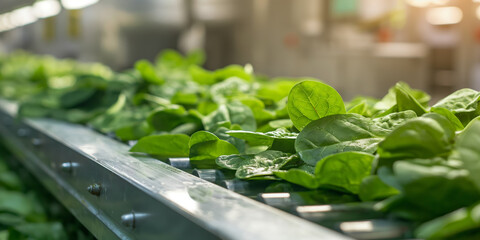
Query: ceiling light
[22,16]
[444,15]
[419,3]
[46,8]
[77,4]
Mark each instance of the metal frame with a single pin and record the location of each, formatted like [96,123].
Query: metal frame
[119,196]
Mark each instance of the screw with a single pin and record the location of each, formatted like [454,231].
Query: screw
[37,142]
[22,132]
[94,189]
[130,220]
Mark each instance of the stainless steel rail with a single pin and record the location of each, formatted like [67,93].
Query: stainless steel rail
[120,196]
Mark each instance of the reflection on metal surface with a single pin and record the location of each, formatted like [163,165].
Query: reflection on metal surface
[276,195]
[361,226]
[375,229]
[68,167]
[315,208]
[183,199]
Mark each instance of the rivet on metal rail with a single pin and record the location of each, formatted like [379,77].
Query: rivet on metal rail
[37,142]
[95,189]
[23,132]
[131,220]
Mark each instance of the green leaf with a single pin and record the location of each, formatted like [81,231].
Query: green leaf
[449,225]
[133,132]
[368,102]
[281,123]
[300,177]
[310,100]
[450,116]
[53,231]
[75,97]
[147,72]
[168,145]
[463,103]
[234,113]
[258,109]
[373,188]
[185,98]
[393,120]
[467,146]
[337,133]
[405,101]
[202,136]
[342,172]
[206,146]
[166,119]
[276,90]
[359,108]
[434,188]
[202,76]
[255,165]
[231,88]
[417,138]
[230,71]
[279,139]
[16,202]
[410,99]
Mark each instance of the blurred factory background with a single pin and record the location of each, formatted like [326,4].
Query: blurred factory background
[358,46]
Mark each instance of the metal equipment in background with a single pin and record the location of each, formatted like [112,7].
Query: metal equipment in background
[359,47]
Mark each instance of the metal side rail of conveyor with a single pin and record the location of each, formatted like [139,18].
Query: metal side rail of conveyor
[117,195]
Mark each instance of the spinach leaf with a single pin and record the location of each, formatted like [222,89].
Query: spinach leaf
[148,73]
[463,103]
[337,133]
[166,119]
[418,138]
[167,145]
[405,100]
[311,100]
[232,87]
[279,139]
[449,225]
[258,109]
[134,131]
[469,151]
[359,108]
[342,172]
[427,186]
[450,116]
[234,113]
[373,188]
[206,146]
[393,120]
[255,165]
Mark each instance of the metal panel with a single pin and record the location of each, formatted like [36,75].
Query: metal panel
[119,196]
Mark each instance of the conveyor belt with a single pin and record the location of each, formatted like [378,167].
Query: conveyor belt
[120,196]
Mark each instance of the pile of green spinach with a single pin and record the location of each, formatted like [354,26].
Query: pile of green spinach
[419,162]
